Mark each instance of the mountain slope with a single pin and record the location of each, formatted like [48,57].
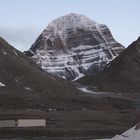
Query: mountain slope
[24,85]
[73,46]
[122,74]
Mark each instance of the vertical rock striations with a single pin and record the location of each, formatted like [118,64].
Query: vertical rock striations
[73,46]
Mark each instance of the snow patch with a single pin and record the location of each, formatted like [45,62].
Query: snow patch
[28,88]
[131,134]
[4,52]
[81,57]
[84,89]
[2,85]
[15,52]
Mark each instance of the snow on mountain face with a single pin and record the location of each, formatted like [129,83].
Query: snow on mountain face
[73,46]
[131,134]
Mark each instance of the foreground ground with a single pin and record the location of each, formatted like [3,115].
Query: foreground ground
[79,124]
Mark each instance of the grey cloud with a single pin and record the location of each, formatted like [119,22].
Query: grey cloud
[20,38]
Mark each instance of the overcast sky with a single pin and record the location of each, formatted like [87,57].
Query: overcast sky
[21,21]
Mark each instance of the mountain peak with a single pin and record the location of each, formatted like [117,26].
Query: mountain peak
[75,15]
[73,46]
[72,20]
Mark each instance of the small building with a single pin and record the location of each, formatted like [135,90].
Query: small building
[31,122]
[23,123]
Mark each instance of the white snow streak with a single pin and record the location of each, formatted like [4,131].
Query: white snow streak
[131,134]
[2,85]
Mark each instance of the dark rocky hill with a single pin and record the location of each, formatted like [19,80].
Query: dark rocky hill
[122,74]
[24,85]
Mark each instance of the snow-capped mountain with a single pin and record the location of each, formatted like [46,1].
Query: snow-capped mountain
[73,46]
